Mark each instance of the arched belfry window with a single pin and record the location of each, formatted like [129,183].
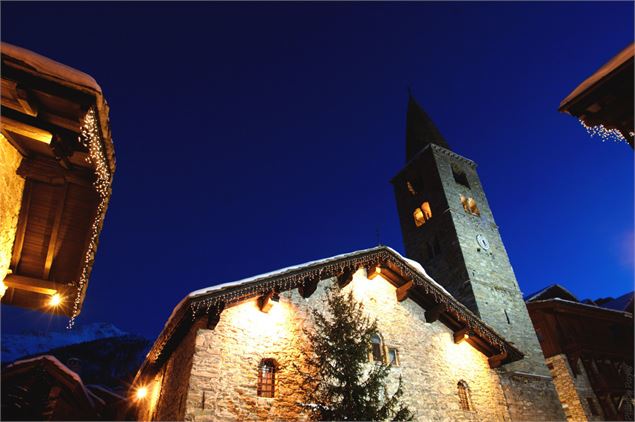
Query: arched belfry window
[266,378]
[422,214]
[464,395]
[377,346]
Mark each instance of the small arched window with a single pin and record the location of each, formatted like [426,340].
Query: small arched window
[377,346]
[419,218]
[464,395]
[473,208]
[266,378]
[427,212]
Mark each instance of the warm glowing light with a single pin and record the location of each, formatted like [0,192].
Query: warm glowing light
[3,288]
[141,393]
[378,270]
[55,300]
[419,218]
[466,336]
[427,212]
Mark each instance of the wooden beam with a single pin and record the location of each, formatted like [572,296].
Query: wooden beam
[345,278]
[23,129]
[23,220]
[497,360]
[308,287]
[7,135]
[371,273]
[433,313]
[26,102]
[461,335]
[403,291]
[50,252]
[265,302]
[214,315]
[31,284]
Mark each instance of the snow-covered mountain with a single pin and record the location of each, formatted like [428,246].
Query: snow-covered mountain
[16,346]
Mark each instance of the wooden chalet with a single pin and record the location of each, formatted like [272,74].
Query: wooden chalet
[605,99]
[56,118]
[595,340]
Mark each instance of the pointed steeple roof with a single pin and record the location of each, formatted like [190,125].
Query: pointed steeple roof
[420,130]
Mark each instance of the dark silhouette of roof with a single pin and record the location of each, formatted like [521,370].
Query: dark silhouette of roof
[420,130]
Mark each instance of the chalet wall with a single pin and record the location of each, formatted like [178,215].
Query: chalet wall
[573,390]
[11,187]
[168,389]
[224,370]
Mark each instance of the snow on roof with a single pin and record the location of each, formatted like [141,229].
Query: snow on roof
[595,307]
[49,67]
[533,296]
[52,359]
[413,264]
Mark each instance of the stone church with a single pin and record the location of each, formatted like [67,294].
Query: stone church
[452,320]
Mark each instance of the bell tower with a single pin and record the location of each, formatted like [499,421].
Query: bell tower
[448,227]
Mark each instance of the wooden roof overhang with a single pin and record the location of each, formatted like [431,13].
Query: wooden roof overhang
[410,282]
[57,119]
[606,97]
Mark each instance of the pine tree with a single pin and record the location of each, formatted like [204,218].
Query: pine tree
[339,382]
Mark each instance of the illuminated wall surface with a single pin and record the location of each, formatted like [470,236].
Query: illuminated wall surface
[11,187]
[223,380]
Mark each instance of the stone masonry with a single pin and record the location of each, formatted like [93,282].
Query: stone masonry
[223,379]
[575,391]
[481,277]
[11,186]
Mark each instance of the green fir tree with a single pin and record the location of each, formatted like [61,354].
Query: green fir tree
[339,382]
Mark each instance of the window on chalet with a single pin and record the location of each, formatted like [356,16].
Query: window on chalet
[377,349]
[464,395]
[266,378]
[459,176]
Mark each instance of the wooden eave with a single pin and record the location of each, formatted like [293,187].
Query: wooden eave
[424,292]
[44,105]
[573,308]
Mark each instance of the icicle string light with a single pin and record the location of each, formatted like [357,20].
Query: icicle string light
[604,133]
[91,139]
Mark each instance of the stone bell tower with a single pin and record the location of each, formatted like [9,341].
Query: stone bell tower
[448,227]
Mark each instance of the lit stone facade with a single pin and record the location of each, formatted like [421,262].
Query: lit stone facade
[11,187]
[575,391]
[213,373]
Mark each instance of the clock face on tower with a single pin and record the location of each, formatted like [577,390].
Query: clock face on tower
[482,241]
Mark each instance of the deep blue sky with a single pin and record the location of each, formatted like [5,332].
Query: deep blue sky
[250,137]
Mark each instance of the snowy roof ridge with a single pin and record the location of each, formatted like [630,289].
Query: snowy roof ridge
[532,296]
[586,305]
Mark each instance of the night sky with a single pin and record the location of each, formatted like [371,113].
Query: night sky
[250,137]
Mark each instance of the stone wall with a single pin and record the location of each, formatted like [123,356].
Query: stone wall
[574,391]
[168,389]
[223,382]
[11,188]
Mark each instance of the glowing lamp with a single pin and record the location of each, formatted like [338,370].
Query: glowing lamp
[55,300]
[466,336]
[141,393]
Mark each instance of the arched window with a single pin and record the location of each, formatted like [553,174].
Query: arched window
[377,346]
[473,208]
[419,218]
[427,212]
[266,378]
[464,203]
[464,395]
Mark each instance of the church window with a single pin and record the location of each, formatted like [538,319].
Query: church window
[459,176]
[473,208]
[427,212]
[393,356]
[266,378]
[410,188]
[469,205]
[419,218]
[464,395]
[377,352]
[422,214]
